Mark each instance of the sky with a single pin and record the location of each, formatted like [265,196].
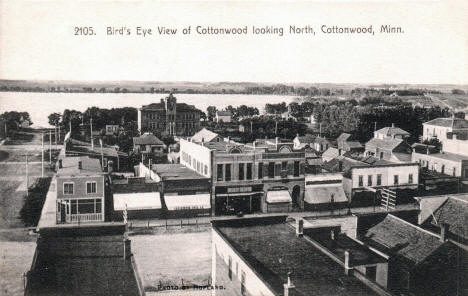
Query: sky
[37,41]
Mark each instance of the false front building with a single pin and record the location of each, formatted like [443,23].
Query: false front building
[169,118]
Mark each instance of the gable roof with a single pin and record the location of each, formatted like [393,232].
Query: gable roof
[454,212]
[204,135]
[147,139]
[398,237]
[331,153]
[452,122]
[343,137]
[385,144]
[352,144]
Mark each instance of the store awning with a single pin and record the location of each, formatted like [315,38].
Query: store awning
[323,194]
[278,196]
[188,202]
[137,201]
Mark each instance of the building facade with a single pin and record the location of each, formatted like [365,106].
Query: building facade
[248,178]
[81,190]
[439,127]
[169,118]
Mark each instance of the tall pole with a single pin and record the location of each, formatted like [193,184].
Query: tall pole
[42,159]
[56,133]
[27,176]
[276,127]
[92,139]
[50,146]
[59,133]
[375,126]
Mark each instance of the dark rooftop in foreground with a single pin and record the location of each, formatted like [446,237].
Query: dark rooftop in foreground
[176,172]
[272,250]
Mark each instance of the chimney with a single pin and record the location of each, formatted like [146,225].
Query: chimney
[289,288]
[333,238]
[299,227]
[277,140]
[393,125]
[444,227]
[347,262]
[80,165]
[150,163]
[427,150]
[60,164]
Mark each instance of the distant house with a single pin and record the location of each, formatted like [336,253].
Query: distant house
[345,144]
[205,136]
[301,142]
[439,127]
[421,263]
[148,144]
[112,129]
[322,144]
[389,148]
[391,132]
[223,116]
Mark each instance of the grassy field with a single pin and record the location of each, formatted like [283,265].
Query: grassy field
[11,203]
[170,258]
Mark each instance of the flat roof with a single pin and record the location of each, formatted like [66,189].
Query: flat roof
[137,201]
[176,172]
[446,156]
[272,250]
[89,166]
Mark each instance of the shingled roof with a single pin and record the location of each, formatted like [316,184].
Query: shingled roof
[400,238]
[386,144]
[454,212]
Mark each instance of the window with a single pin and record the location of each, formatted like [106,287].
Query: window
[361,183]
[91,187]
[228,172]
[369,180]
[68,188]
[381,155]
[395,179]
[230,268]
[410,178]
[86,206]
[284,165]
[296,169]
[260,170]
[371,272]
[454,171]
[206,169]
[241,171]
[249,171]
[271,170]
[442,169]
[243,291]
[219,172]
[379,179]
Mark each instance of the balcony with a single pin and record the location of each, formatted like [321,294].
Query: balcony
[83,218]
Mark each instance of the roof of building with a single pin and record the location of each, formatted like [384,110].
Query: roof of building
[398,237]
[361,255]
[223,113]
[204,135]
[272,250]
[85,148]
[175,172]
[308,138]
[323,193]
[453,122]
[401,157]
[331,153]
[392,131]
[89,166]
[353,144]
[343,137]
[446,156]
[454,212]
[147,139]
[137,201]
[386,144]
[320,140]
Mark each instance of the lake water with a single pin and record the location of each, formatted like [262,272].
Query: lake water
[40,105]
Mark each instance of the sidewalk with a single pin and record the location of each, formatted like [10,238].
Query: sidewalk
[206,220]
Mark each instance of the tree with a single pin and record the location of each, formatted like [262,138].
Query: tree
[54,119]
[211,112]
[458,91]
[12,119]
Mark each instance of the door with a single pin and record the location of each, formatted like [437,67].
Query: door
[62,213]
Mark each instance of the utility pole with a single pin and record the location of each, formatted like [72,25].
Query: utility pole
[59,132]
[27,177]
[56,133]
[92,140]
[375,126]
[42,159]
[50,146]
[276,127]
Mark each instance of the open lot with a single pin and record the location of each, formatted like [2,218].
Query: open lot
[170,258]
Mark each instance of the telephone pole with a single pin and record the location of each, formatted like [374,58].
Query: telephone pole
[50,146]
[42,158]
[92,139]
[27,177]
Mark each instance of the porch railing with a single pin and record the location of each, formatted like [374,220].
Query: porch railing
[93,217]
